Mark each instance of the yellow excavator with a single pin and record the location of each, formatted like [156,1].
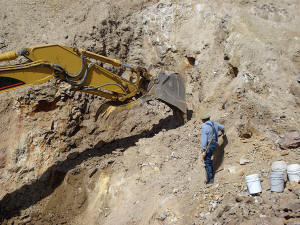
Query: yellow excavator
[85,72]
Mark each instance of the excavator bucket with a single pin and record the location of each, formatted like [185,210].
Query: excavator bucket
[169,89]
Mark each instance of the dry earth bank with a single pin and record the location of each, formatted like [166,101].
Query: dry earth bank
[240,61]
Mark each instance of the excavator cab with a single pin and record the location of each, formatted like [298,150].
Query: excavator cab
[78,68]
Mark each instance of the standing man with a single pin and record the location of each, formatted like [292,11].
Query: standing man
[209,141]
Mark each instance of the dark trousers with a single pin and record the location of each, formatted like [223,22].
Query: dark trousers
[208,163]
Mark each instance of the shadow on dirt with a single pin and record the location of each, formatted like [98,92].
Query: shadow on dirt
[29,194]
[219,154]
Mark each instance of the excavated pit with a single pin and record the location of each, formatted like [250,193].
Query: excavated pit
[61,164]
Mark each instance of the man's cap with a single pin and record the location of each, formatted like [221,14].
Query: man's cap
[205,116]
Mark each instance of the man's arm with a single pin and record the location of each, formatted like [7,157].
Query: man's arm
[221,128]
[203,139]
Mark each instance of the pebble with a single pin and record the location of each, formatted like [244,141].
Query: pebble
[232,169]
[283,153]
[244,161]
[213,204]
[162,216]
[201,215]
[156,169]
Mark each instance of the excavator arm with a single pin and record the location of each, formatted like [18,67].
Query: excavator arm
[79,68]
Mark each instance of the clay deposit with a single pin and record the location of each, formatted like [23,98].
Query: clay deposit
[240,60]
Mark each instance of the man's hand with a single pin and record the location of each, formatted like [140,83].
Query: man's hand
[221,133]
[224,135]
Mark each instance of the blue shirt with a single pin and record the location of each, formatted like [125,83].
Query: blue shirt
[207,133]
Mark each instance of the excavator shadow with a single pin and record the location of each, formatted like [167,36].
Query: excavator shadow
[30,194]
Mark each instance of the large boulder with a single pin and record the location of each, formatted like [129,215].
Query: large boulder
[290,140]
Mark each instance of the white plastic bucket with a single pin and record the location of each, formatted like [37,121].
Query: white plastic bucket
[253,183]
[280,166]
[277,181]
[293,171]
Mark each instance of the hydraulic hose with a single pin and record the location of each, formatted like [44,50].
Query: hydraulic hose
[103,85]
[78,74]
[68,75]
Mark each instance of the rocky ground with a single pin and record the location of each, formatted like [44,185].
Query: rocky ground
[240,60]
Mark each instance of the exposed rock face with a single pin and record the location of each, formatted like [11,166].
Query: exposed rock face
[240,62]
[290,140]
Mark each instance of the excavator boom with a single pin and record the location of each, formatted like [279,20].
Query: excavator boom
[78,68]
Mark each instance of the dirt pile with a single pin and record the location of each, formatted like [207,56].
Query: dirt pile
[60,164]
